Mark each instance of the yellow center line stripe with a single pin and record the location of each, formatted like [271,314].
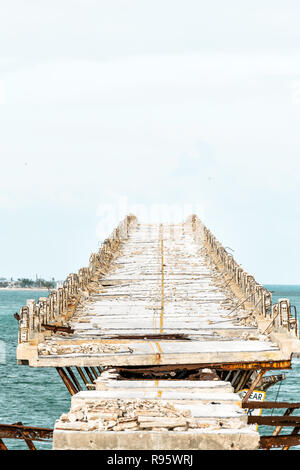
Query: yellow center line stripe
[162,287]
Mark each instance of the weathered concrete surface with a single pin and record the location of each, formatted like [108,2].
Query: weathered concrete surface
[190,386]
[162,280]
[196,440]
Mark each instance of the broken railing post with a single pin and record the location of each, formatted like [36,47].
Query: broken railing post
[256,294]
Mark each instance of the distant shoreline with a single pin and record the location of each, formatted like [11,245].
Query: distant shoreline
[11,289]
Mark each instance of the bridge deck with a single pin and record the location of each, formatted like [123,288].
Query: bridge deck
[162,301]
[163,329]
[156,415]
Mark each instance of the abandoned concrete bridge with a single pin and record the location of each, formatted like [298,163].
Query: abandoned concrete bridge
[163,342]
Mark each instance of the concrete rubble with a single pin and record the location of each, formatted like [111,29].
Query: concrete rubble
[53,347]
[203,411]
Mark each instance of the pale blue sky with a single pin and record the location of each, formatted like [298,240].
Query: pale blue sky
[161,102]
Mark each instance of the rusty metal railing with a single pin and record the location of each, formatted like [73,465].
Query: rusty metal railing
[277,440]
[38,316]
[26,433]
[255,293]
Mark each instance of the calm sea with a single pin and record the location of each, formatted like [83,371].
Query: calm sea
[37,397]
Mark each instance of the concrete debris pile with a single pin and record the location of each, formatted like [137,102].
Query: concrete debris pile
[154,405]
[137,415]
[155,414]
[55,348]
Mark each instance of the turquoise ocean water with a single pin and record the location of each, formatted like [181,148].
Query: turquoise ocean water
[37,397]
